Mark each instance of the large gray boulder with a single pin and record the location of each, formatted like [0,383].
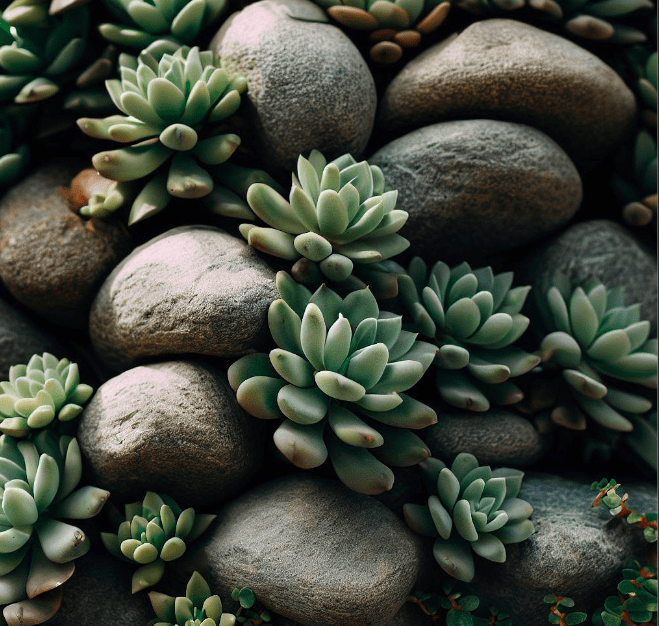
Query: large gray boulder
[314,91]
[505,69]
[191,290]
[174,428]
[476,187]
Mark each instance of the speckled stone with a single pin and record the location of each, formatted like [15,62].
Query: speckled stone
[314,92]
[314,551]
[173,427]
[600,249]
[477,187]
[576,551]
[505,69]
[52,260]
[191,290]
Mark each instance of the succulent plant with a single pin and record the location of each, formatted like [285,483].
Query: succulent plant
[39,480]
[474,318]
[471,508]
[172,113]
[36,13]
[197,608]
[144,22]
[38,393]
[336,379]
[152,533]
[601,349]
[558,614]
[392,25]
[339,218]
[35,61]
[14,157]
[595,20]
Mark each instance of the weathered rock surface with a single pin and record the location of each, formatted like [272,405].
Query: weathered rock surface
[315,92]
[172,427]
[20,338]
[498,438]
[52,260]
[192,290]
[505,69]
[600,249]
[576,551]
[478,186]
[314,551]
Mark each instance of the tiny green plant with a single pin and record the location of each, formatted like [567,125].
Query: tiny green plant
[559,616]
[153,533]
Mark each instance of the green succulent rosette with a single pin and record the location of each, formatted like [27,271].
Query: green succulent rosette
[339,219]
[39,480]
[474,318]
[167,24]
[594,20]
[393,26]
[34,62]
[197,608]
[37,394]
[602,350]
[14,157]
[472,509]
[336,379]
[173,113]
[152,533]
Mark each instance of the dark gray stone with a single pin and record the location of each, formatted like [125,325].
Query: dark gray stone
[600,249]
[478,186]
[172,427]
[315,92]
[505,69]
[52,260]
[314,551]
[576,551]
[497,437]
[20,338]
[191,290]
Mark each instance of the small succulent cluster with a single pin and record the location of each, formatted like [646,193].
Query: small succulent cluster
[197,608]
[40,392]
[594,20]
[39,480]
[339,219]
[393,26]
[166,24]
[173,109]
[337,379]
[602,351]
[617,506]
[474,318]
[472,508]
[152,533]
[557,613]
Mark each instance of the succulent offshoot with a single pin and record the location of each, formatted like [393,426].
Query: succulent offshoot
[393,26]
[152,533]
[14,157]
[336,380]
[473,317]
[339,224]
[37,394]
[173,114]
[39,480]
[197,608]
[471,509]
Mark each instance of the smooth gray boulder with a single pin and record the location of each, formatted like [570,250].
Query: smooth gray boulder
[52,260]
[314,551]
[497,438]
[505,69]
[314,92]
[576,551]
[191,290]
[477,187]
[174,428]
[601,249]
